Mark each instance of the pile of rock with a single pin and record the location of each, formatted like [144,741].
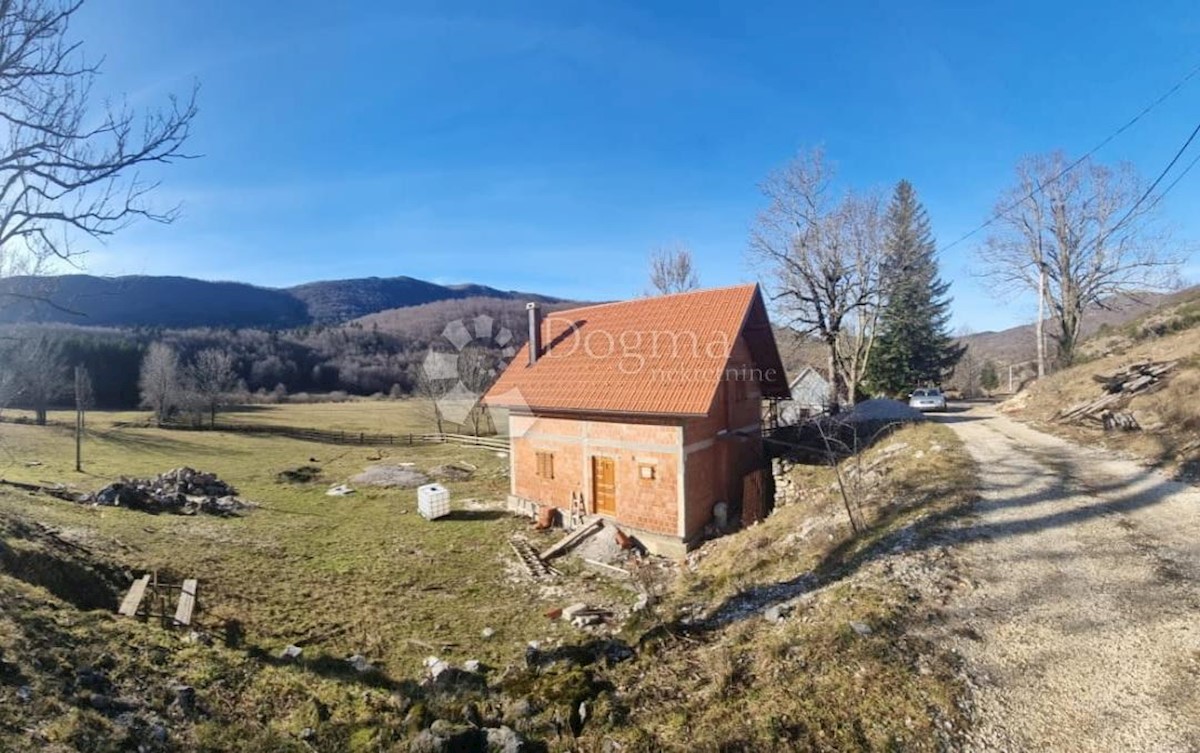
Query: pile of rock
[183,491]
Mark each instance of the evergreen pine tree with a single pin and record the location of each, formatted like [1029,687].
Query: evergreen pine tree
[913,347]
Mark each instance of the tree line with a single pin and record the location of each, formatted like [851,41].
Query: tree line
[246,364]
[863,280]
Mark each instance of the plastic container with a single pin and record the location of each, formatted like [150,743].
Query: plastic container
[433,501]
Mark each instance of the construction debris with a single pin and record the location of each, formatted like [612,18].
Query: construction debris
[572,539]
[1140,378]
[530,560]
[581,615]
[183,491]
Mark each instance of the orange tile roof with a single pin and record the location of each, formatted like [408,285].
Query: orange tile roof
[662,356]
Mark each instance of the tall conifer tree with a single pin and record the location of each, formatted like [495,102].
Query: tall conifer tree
[913,347]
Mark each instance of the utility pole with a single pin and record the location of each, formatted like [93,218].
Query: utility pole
[1041,318]
[82,399]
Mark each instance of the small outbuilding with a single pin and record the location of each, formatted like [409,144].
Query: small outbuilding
[809,396]
[645,412]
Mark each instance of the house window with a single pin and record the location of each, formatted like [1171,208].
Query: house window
[647,472]
[545,464]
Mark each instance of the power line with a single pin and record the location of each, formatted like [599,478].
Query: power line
[1163,174]
[1178,178]
[1150,190]
[1107,139]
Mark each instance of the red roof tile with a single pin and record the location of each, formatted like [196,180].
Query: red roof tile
[664,355]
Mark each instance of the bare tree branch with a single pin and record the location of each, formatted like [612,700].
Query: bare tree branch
[1086,235]
[672,271]
[67,170]
[822,255]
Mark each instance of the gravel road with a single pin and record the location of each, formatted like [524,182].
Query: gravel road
[1082,631]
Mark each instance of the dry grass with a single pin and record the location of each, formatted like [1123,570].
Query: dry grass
[1170,417]
[809,682]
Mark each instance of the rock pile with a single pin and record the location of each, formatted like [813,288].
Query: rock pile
[183,491]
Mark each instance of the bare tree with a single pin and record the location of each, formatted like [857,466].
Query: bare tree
[857,339]
[84,397]
[1076,239]
[69,170]
[212,378]
[159,382]
[478,368]
[429,392]
[822,255]
[672,271]
[966,377]
[39,374]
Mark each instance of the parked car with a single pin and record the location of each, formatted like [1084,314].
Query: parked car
[927,399]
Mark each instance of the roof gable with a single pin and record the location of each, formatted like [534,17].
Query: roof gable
[656,356]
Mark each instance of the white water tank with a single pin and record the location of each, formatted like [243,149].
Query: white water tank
[433,501]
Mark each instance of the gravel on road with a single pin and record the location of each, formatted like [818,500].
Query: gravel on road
[1082,631]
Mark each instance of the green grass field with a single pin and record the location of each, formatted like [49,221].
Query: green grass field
[365,574]
[295,569]
[409,416]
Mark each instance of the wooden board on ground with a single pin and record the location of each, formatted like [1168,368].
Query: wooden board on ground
[572,539]
[187,602]
[133,599]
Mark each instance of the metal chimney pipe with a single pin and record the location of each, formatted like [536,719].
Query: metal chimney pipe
[535,331]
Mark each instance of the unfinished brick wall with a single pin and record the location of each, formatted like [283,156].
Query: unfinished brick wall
[646,504]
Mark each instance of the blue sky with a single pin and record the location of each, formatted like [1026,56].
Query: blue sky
[549,146]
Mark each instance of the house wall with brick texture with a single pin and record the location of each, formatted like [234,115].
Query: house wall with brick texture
[712,467]
[646,504]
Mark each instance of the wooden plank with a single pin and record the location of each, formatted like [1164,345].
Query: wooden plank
[133,599]
[609,568]
[572,539]
[187,602]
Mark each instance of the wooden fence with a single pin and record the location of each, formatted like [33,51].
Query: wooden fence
[340,437]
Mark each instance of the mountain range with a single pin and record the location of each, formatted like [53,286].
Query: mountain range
[181,302]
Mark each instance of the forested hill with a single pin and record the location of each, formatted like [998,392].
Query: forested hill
[337,301]
[181,302]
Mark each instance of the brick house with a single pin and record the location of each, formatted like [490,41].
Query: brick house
[648,411]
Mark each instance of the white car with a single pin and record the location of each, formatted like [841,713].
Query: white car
[927,399]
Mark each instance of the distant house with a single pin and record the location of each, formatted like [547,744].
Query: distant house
[643,412]
[809,397]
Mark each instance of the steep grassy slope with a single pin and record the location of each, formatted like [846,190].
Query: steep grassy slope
[1018,344]
[1169,417]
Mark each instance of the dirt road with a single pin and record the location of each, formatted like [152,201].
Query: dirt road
[1082,632]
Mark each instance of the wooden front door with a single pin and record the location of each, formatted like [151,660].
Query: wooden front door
[604,485]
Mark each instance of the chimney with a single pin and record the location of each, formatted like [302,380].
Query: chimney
[535,331]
